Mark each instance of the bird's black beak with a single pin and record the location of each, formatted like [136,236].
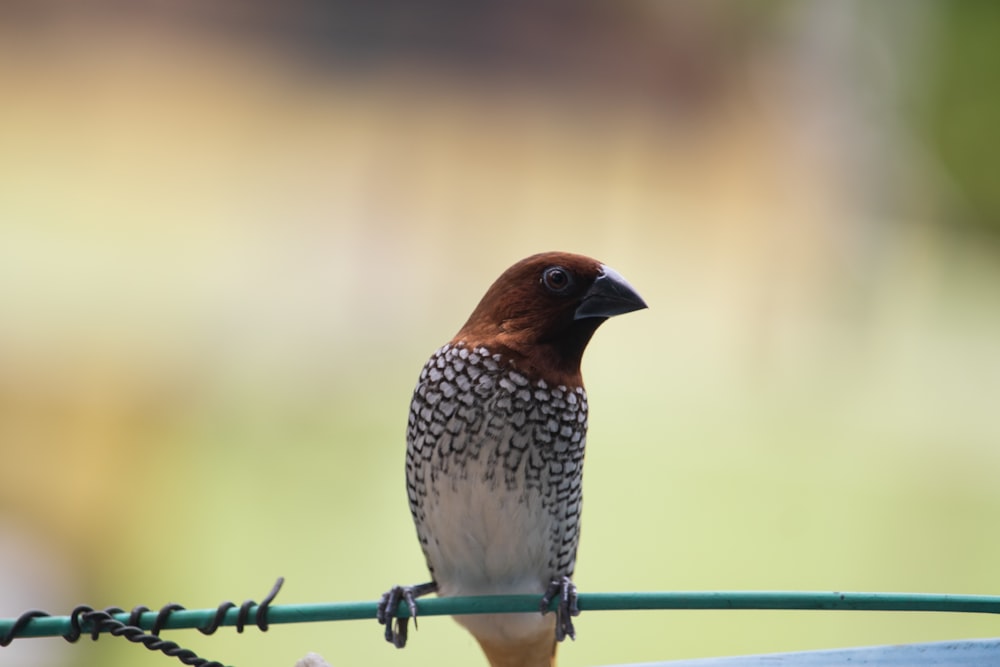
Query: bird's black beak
[610,295]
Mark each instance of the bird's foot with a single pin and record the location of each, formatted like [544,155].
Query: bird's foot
[388,610]
[566,609]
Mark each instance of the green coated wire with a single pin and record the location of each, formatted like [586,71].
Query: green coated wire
[52,626]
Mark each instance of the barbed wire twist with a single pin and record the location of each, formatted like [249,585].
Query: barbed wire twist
[87,620]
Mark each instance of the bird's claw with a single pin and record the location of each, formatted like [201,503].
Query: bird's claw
[565,609]
[395,627]
[388,608]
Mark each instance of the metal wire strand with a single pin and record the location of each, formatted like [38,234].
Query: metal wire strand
[102,621]
[220,614]
[75,630]
[136,614]
[163,616]
[261,616]
[19,625]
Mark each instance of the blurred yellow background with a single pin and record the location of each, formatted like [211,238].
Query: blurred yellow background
[231,234]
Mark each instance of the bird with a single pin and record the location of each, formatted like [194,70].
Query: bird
[494,454]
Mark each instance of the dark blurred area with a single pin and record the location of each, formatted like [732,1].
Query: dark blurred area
[961,104]
[665,53]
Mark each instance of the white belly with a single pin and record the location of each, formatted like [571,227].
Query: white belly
[489,540]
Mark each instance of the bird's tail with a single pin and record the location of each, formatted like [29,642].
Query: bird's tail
[539,651]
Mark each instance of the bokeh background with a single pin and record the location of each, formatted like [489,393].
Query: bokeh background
[231,233]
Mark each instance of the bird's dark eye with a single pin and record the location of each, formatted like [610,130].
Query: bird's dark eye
[557,279]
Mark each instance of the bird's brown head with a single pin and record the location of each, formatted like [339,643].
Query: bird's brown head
[541,312]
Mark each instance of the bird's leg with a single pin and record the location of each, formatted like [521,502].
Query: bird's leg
[388,606]
[566,609]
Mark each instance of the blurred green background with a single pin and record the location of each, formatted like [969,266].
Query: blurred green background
[232,232]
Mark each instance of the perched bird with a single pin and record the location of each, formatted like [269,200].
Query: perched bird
[494,456]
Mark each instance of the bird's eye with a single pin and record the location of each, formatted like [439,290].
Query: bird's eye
[556,279]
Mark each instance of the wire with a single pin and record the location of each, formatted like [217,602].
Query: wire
[51,626]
